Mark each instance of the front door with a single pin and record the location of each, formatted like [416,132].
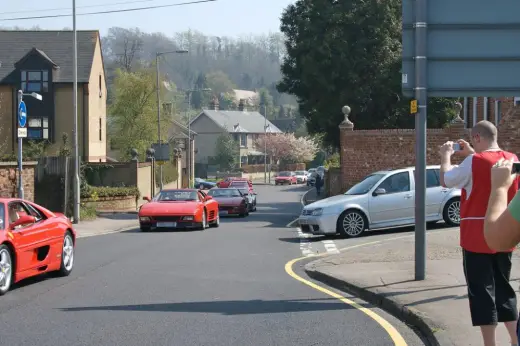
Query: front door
[396,206]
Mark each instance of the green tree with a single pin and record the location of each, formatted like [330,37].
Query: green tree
[265,99]
[226,152]
[356,62]
[281,112]
[133,113]
[219,83]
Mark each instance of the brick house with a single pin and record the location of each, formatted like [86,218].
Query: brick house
[476,109]
[41,62]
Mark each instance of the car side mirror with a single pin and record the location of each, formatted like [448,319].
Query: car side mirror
[379,191]
[209,198]
[23,220]
[146,198]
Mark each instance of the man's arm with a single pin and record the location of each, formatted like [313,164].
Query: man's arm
[502,223]
[456,176]
[445,166]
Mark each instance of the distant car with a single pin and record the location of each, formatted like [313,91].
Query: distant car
[230,201]
[179,209]
[247,191]
[225,182]
[203,184]
[311,177]
[33,241]
[383,199]
[301,177]
[285,178]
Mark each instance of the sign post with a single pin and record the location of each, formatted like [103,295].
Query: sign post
[413,107]
[22,133]
[443,56]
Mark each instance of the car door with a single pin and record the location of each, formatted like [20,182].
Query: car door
[211,205]
[31,241]
[435,193]
[396,206]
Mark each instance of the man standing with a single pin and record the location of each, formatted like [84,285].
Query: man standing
[492,299]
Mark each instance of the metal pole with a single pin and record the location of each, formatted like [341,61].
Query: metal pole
[77,194]
[265,144]
[159,116]
[188,164]
[20,151]
[420,132]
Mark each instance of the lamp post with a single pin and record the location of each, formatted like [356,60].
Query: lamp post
[266,127]
[158,87]
[76,182]
[21,94]
[189,157]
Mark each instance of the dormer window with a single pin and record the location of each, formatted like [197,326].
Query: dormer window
[35,81]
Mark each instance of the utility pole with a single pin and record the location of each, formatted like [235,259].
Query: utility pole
[76,181]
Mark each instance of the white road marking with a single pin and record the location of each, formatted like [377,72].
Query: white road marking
[309,248]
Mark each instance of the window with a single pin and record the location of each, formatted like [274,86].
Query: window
[34,212]
[432,178]
[100,129]
[100,87]
[498,112]
[517,101]
[17,209]
[243,140]
[235,137]
[38,128]
[35,81]
[399,182]
[243,160]
[2,215]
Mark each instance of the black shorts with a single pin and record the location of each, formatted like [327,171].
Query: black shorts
[492,299]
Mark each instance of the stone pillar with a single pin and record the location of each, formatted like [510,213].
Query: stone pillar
[345,130]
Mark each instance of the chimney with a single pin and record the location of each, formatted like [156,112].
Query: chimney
[242,105]
[214,104]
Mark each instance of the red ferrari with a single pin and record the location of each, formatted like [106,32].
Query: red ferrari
[231,201]
[33,241]
[224,183]
[179,209]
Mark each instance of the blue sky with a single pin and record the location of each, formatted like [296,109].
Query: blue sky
[219,18]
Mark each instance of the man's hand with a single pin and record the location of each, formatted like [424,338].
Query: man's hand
[501,177]
[465,148]
[447,149]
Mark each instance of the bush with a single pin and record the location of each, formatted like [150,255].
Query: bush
[94,192]
[87,212]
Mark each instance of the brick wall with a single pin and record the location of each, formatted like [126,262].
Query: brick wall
[367,151]
[9,179]
[107,204]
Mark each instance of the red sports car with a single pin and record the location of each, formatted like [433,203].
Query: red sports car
[230,201]
[283,178]
[179,208]
[33,241]
[227,181]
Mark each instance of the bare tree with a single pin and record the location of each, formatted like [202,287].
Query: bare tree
[126,47]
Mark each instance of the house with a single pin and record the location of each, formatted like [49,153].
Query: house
[245,126]
[179,139]
[492,109]
[41,62]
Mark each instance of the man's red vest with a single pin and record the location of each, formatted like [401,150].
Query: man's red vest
[473,208]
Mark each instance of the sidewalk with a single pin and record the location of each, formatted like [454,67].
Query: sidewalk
[107,223]
[383,274]
[311,196]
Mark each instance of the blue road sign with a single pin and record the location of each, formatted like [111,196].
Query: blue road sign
[22,114]
[469,48]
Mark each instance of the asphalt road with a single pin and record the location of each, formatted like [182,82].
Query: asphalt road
[224,286]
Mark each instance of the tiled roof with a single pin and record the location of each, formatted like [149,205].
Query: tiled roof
[252,122]
[55,46]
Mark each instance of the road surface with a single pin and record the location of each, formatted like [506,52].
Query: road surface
[223,286]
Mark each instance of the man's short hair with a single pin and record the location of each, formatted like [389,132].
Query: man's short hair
[485,129]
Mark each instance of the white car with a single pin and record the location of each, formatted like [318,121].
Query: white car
[311,176]
[384,199]
[301,177]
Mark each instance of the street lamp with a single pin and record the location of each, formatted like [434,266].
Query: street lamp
[158,86]
[21,94]
[76,182]
[266,128]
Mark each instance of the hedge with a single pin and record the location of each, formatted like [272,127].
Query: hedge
[107,191]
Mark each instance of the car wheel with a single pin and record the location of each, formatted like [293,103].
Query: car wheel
[204,223]
[351,223]
[451,212]
[67,255]
[201,187]
[216,223]
[6,269]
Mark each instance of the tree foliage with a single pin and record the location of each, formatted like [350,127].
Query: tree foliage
[356,61]
[226,152]
[286,147]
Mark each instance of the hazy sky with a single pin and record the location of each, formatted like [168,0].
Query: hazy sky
[219,18]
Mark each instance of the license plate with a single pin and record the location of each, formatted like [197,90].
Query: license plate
[167,224]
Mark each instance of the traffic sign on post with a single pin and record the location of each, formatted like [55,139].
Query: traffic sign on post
[22,114]
[413,107]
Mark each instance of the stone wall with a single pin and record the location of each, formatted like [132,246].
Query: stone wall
[107,204]
[9,179]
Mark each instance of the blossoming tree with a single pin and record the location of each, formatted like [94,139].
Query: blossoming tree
[288,148]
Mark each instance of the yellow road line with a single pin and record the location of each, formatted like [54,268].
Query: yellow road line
[396,337]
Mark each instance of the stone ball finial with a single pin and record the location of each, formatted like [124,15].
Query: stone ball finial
[134,152]
[346,110]
[150,152]
[346,123]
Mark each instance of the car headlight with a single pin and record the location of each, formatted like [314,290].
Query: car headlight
[188,218]
[144,218]
[317,212]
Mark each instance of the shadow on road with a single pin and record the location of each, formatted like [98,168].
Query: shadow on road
[229,307]
[118,216]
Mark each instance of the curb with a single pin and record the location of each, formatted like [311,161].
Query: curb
[434,335]
[119,230]
[303,199]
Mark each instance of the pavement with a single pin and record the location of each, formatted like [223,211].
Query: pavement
[240,284]
[107,223]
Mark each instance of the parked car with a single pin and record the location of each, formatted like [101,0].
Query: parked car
[285,178]
[179,209]
[225,182]
[384,199]
[311,177]
[247,191]
[203,184]
[231,201]
[33,241]
[301,177]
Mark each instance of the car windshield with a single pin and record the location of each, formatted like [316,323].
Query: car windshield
[312,170]
[284,174]
[224,193]
[177,195]
[239,184]
[300,173]
[2,215]
[365,185]
[244,191]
